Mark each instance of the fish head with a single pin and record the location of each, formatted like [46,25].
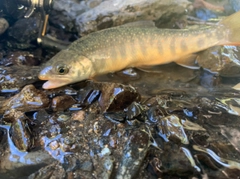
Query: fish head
[60,71]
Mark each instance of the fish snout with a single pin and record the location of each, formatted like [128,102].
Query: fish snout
[45,73]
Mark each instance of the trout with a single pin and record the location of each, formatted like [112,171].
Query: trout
[117,48]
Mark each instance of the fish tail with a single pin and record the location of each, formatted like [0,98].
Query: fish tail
[232,24]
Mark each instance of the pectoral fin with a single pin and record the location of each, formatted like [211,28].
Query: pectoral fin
[151,69]
[188,61]
[236,87]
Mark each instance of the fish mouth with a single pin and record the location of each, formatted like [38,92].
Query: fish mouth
[50,84]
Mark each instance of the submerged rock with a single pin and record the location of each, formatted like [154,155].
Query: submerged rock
[16,162]
[19,131]
[60,103]
[15,77]
[20,58]
[115,97]
[134,153]
[20,134]
[221,59]
[29,99]
[170,128]
[176,161]
[50,171]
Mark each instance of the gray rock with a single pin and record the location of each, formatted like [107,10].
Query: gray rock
[117,12]
[3,25]
[93,15]
[25,30]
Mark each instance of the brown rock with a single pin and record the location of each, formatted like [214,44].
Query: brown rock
[61,103]
[29,99]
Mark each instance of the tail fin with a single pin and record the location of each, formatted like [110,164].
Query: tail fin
[232,23]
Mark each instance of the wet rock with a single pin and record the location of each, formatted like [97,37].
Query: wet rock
[63,118]
[154,166]
[61,103]
[52,129]
[40,116]
[11,115]
[155,113]
[160,100]
[115,116]
[19,131]
[3,25]
[15,77]
[106,168]
[221,59]
[51,171]
[87,95]
[230,105]
[25,30]
[17,45]
[175,162]
[133,154]
[11,8]
[20,58]
[209,80]
[80,115]
[29,99]
[191,126]
[20,134]
[230,164]
[232,134]
[135,110]
[55,147]
[87,166]
[27,161]
[115,97]
[65,90]
[171,128]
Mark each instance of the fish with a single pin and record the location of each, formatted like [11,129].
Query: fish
[117,48]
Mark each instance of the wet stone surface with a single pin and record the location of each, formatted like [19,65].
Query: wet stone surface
[172,134]
[21,58]
[221,59]
[14,78]
[29,99]
[115,97]
[60,103]
[20,134]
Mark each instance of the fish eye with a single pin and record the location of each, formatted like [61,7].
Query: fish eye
[62,69]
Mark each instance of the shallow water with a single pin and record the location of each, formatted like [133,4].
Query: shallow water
[186,124]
